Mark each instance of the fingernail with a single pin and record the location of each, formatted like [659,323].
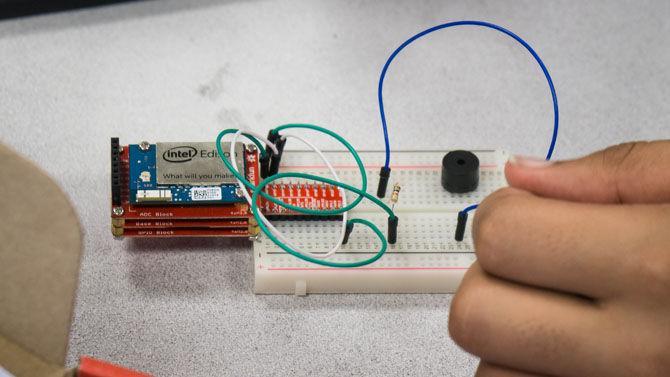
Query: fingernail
[529,162]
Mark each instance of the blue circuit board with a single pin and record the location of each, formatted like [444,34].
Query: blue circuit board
[144,188]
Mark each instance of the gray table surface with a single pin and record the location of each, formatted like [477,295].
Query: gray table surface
[181,70]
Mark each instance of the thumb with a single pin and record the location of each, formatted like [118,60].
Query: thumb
[637,172]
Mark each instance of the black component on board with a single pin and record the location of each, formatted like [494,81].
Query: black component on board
[347,232]
[460,172]
[392,229]
[116,172]
[275,159]
[265,163]
[460,226]
[384,175]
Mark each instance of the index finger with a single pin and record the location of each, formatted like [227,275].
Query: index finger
[627,173]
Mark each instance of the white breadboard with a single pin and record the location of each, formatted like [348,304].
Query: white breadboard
[425,259]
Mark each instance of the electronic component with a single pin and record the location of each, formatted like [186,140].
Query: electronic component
[153,196]
[384,174]
[305,195]
[180,172]
[143,207]
[395,194]
[145,176]
[425,257]
[276,235]
[184,174]
[196,223]
[460,172]
[116,171]
[392,235]
[347,233]
[461,222]
[274,159]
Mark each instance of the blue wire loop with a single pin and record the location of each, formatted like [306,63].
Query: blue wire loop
[489,25]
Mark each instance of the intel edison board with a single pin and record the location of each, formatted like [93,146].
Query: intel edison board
[181,173]
[183,190]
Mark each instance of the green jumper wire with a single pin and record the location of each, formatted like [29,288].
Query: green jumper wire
[361,192]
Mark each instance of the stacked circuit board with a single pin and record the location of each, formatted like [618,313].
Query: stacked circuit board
[184,190]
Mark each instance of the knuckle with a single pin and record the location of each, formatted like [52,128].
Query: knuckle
[491,222]
[619,154]
[620,165]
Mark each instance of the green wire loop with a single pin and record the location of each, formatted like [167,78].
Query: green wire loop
[361,192]
[361,168]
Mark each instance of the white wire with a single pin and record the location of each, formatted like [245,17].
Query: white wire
[271,227]
[264,219]
[233,161]
[343,194]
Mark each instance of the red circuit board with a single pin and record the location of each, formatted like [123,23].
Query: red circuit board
[197,223]
[317,196]
[186,232]
[220,220]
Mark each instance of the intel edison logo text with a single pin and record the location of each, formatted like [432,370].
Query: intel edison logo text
[185,153]
[180,154]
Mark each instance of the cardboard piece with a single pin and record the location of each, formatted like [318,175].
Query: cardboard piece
[39,266]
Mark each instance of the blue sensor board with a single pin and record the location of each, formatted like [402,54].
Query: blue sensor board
[181,173]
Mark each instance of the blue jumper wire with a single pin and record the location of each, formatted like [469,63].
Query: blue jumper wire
[462,23]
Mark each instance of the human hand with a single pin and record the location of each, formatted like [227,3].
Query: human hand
[573,268]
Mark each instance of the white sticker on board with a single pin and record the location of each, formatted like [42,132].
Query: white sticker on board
[205,193]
